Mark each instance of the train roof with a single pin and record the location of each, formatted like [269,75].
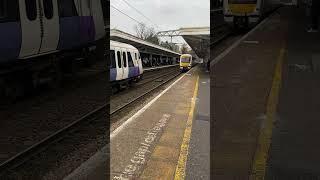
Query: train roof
[123,45]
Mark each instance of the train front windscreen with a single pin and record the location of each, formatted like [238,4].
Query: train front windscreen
[185,60]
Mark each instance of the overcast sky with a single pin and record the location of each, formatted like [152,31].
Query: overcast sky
[164,14]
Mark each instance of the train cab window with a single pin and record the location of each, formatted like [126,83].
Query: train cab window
[119,59]
[124,59]
[48,8]
[185,59]
[67,8]
[31,9]
[112,59]
[9,11]
[130,61]
[135,56]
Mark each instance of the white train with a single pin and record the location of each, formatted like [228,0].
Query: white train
[36,34]
[125,63]
[33,28]
[247,13]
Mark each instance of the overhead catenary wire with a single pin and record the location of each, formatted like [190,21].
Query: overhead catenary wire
[140,13]
[134,18]
[125,14]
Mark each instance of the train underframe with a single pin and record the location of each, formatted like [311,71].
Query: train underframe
[125,83]
[242,22]
[22,76]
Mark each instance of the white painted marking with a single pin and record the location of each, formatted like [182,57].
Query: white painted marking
[251,42]
[160,67]
[216,10]
[224,53]
[137,114]
[139,158]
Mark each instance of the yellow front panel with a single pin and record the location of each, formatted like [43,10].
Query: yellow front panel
[184,64]
[242,8]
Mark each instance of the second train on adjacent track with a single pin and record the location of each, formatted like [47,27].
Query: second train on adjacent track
[247,13]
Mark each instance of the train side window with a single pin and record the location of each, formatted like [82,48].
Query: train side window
[9,11]
[124,59]
[67,8]
[119,59]
[112,59]
[48,8]
[130,61]
[31,8]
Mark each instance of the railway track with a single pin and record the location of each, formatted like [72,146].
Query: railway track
[220,33]
[153,78]
[35,149]
[23,157]
[31,126]
[154,85]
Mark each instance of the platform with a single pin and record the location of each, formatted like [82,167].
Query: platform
[168,138]
[264,102]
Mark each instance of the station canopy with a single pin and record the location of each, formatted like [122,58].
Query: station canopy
[198,38]
[141,45]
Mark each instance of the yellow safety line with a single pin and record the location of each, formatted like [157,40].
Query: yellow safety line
[261,154]
[181,166]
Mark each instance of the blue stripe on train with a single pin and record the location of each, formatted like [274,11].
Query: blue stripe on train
[76,31]
[10,41]
[133,71]
[113,74]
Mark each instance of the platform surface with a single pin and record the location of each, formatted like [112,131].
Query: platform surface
[294,152]
[149,144]
[264,102]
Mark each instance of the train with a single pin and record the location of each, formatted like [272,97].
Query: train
[247,13]
[125,64]
[36,36]
[186,62]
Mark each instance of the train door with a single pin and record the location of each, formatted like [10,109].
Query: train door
[30,27]
[39,25]
[139,62]
[113,65]
[49,25]
[125,64]
[119,64]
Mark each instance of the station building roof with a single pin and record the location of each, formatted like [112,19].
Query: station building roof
[143,46]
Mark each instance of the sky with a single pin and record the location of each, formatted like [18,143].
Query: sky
[161,14]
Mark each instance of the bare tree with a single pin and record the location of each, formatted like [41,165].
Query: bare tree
[147,33]
[184,49]
[141,30]
[170,46]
